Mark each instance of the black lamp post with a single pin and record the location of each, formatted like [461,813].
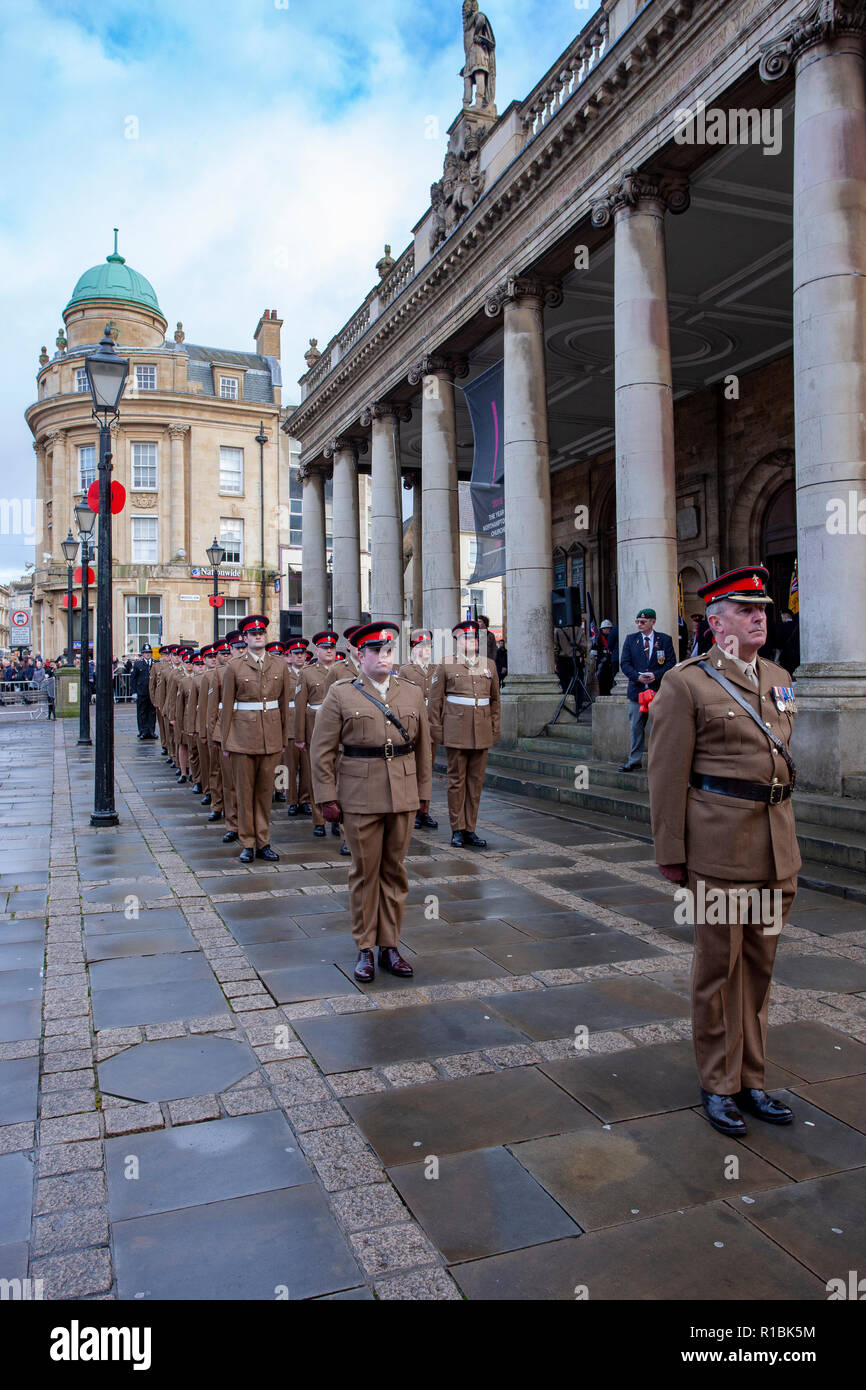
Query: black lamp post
[261,440]
[85,520]
[106,377]
[70,550]
[216,555]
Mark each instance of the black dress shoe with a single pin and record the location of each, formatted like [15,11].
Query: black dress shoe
[470,838]
[457,839]
[180,779]
[267,853]
[247,856]
[391,960]
[335,829]
[319,830]
[279,796]
[198,788]
[629,767]
[206,799]
[215,815]
[723,1115]
[306,809]
[165,752]
[764,1106]
[424,821]
[293,809]
[364,968]
[230,837]
[344,848]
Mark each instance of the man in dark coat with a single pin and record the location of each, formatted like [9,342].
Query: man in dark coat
[144,710]
[646,656]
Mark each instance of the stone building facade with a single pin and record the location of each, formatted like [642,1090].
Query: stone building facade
[665,244]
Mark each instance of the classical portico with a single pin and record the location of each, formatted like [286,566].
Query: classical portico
[664,246]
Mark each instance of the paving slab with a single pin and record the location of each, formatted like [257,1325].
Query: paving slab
[845,1098]
[20,955]
[174,1068]
[118,1007]
[706,1254]
[13,1260]
[19,1086]
[435,968]
[434,937]
[816,1143]
[20,986]
[200,1163]
[22,929]
[625,895]
[544,925]
[20,1021]
[814,1052]
[534,859]
[563,953]
[148,919]
[472,1112]
[820,1223]
[16,1197]
[598,1005]
[276,1244]
[290,955]
[831,973]
[833,919]
[151,942]
[129,971]
[308,982]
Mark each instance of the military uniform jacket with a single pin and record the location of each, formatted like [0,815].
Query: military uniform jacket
[311,692]
[296,674]
[342,671]
[371,786]
[422,676]
[465,725]
[179,692]
[213,715]
[256,731]
[187,702]
[157,673]
[696,727]
[206,684]
[169,691]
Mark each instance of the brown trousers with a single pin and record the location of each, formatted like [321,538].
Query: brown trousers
[190,743]
[378,882]
[163,725]
[305,790]
[215,784]
[465,781]
[253,777]
[731,971]
[204,762]
[230,801]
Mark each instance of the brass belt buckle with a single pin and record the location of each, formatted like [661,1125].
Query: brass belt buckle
[776,793]
[389,750]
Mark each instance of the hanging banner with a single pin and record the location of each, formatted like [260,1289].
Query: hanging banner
[484,398]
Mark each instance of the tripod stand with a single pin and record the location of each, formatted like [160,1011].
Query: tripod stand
[576,688]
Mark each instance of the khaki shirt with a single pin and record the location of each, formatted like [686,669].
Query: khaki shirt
[371,786]
[169,692]
[342,671]
[695,726]
[208,680]
[258,731]
[311,691]
[296,674]
[213,715]
[190,704]
[464,725]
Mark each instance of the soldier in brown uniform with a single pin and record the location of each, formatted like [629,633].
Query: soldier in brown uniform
[169,694]
[299,794]
[344,668]
[209,699]
[419,669]
[720,780]
[308,702]
[158,673]
[177,692]
[255,726]
[279,793]
[208,670]
[464,716]
[371,768]
[190,712]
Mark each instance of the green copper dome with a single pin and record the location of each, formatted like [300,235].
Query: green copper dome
[115,280]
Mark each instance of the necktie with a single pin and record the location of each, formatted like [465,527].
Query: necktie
[646,646]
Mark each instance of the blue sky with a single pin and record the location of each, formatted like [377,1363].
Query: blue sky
[279,145]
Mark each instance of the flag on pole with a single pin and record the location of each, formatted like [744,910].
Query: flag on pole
[794,592]
[590,613]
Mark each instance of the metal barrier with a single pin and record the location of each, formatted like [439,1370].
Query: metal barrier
[25,695]
[123,691]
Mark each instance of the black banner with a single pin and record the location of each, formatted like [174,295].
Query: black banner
[484,396]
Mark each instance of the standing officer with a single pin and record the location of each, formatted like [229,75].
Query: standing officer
[208,707]
[141,682]
[646,657]
[299,795]
[419,669]
[169,694]
[190,722]
[222,786]
[158,672]
[180,690]
[720,781]
[277,649]
[371,767]
[344,668]
[255,727]
[204,683]
[464,716]
[308,702]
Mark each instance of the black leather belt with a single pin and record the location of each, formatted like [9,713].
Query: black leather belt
[388,752]
[749,791]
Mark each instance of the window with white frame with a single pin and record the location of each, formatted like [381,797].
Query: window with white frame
[473,554]
[145,540]
[296,507]
[86,465]
[81,380]
[145,377]
[144,467]
[231,470]
[231,613]
[232,539]
[228,388]
[143,621]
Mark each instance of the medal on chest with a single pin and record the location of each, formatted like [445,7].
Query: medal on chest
[660,657]
[784,698]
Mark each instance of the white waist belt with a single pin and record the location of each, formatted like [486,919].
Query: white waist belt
[467,700]
[257,704]
[314,706]
[291,704]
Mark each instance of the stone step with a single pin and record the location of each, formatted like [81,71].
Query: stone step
[855,785]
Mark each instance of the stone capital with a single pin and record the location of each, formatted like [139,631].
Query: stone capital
[517,287]
[55,437]
[383,410]
[438,364]
[314,469]
[820,21]
[178,431]
[669,189]
[345,442]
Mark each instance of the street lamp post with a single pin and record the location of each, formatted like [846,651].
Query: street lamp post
[216,555]
[106,377]
[261,440]
[85,520]
[70,550]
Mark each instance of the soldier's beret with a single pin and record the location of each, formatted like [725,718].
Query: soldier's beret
[748,585]
[276,647]
[224,645]
[254,622]
[326,638]
[297,644]
[376,635]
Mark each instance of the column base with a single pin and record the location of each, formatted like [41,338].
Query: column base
[528,703]
[829,741]
[102,819]
[611,736]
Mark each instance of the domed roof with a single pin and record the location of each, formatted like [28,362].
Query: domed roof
[115,280]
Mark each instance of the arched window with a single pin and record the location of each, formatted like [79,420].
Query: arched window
[559,568]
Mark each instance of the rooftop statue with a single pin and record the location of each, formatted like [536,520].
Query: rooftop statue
[479,72]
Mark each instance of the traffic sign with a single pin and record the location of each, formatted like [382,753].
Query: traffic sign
[20,618]
[118,497]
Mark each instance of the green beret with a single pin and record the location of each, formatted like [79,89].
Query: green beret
[646,612]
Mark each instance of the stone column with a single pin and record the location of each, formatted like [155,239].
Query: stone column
[386,543]
[64,493]
[314,565]
[440,529]
[532,692]
[644,415]
[417,553]
[177,492]
[346,528]
[829,385]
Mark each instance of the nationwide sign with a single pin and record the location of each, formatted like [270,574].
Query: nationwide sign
[196,573]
